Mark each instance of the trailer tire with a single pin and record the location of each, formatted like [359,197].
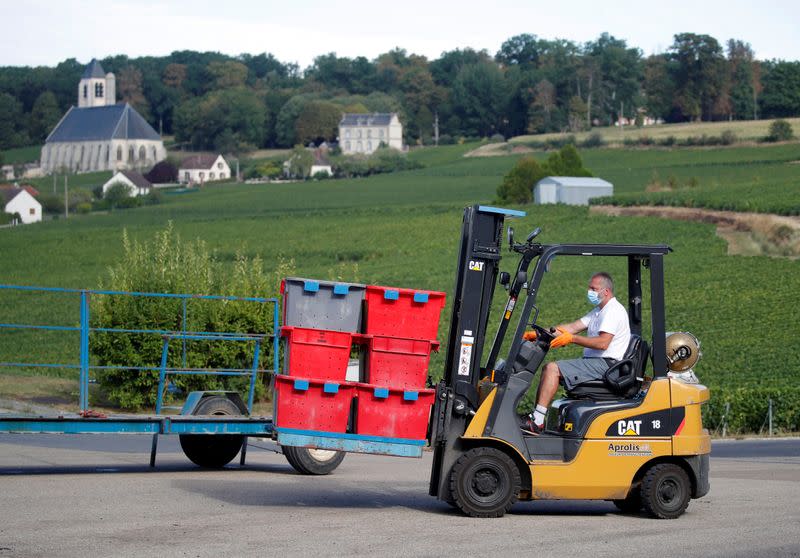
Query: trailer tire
[485,482]
[213,451]
[307,461]
[666,491]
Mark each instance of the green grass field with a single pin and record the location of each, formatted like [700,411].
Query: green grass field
[402,229]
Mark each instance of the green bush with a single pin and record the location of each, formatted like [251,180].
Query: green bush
[518,183]
[780,130]
[83,208]
[594,139]
[52,203]
[747,408]
[168,264]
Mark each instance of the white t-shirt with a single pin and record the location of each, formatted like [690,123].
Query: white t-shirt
[613,319]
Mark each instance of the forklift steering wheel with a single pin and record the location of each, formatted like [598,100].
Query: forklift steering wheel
[545,335]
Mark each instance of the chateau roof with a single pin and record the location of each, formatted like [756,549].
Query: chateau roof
[119,121]
[93,70]
[373,119]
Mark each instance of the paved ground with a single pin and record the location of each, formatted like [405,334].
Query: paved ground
[103,500]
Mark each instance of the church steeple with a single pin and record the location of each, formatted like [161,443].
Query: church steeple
[96,88]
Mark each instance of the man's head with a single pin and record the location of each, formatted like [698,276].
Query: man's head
[603,286]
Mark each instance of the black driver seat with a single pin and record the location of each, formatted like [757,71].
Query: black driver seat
[622,380]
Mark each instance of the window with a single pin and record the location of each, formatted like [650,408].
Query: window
[369,145]
[219,165]
[98,90]
[369,133]
[347,133]
[359,133]
[187,176]
[130,154]
[221,175]
[359,147]
[202,176]
[211,176]
[347,145]
[380,133]
[32,211]
[85,91]
[119,153]
[142,153]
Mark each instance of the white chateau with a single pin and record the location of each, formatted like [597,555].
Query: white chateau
[363,133]
[99,134]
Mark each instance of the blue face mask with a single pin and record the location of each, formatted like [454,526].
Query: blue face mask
[594,297]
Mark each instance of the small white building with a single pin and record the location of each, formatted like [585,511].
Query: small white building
[137,184]
[14,199]
[363,133]
[199,169]
[570,190]
[7,172]
[321,163]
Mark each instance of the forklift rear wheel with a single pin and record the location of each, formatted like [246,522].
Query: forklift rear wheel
[213,451]
[308,461]
[485,482]
[666,491]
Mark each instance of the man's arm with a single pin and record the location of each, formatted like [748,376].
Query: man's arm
[601,342]
[573,327]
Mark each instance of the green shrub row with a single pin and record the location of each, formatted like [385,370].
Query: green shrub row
[744,409]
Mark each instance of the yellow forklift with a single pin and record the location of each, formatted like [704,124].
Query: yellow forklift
[634,438]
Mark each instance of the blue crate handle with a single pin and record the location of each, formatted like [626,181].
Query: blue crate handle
[381,393]
[330,388]
[301,385]
[311,286]
[341,289]
[421,297]
[391,294]
[410,395]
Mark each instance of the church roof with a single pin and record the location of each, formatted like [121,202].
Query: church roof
[102,123]
[93,70]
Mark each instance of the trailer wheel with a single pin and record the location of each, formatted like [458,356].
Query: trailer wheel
[485,482]
[213,451]
[666,491]
[308,461]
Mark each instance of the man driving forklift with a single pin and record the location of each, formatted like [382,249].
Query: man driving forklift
[608,334]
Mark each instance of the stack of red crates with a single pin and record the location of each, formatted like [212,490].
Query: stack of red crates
[399,334]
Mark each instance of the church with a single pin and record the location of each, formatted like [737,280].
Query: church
[99,134]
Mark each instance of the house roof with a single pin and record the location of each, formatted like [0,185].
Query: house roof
[373,119]
[575,181]
[102,123]
[93,70]
[136,178]
[204,162]
[8,192]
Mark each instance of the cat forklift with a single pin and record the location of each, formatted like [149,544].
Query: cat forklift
[632,438]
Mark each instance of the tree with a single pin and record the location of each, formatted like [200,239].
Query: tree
[300,162]
[480,97]
[744,86]
[318,121]
[129,88]
[518,183]
[11,133]
[227,74]
[522,50]
[541,110]
[613,74]
[44,116]
[699,74]
[238,113]
[118,195]
[285,132]
[780,130]
[658,86]
[781,96]
[163,172]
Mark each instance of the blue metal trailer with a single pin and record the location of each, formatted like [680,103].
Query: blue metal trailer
[213,425]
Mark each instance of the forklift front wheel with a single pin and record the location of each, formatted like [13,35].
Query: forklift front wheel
[307,461]
[485,482]
[666,491]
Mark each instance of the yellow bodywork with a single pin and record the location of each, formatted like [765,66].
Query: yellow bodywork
[605,466]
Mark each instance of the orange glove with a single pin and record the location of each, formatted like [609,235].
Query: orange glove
[529,335]
[565,338]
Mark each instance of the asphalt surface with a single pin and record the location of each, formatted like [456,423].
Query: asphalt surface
[96,496]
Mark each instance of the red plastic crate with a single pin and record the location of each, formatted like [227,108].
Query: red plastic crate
[393,413]
[307,404]
[403,312]
[316,353]
[396,362]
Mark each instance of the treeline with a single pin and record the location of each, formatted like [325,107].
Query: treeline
[531,85]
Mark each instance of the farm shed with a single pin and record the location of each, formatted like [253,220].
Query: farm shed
[137,184]
[14,199]
[570,190]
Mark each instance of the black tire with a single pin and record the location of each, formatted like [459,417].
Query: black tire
[485,482]
[666,491]
[631,504]
[213,451]
[307,461]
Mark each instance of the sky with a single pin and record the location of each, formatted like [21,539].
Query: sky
[46,32]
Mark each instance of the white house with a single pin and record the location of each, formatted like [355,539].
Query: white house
[363,133]
[570,190]
[137,184]
[321,163]
[199,169]
[14,199]
[99,134]
[7,172]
